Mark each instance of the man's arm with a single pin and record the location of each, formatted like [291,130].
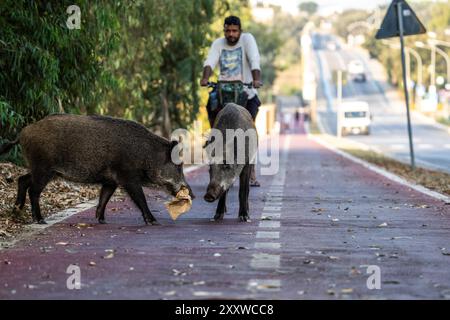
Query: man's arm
[254,60]
[210,63]
[256,74]
[207,72]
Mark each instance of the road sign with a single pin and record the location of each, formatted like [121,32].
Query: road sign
[400,21]
[390,26]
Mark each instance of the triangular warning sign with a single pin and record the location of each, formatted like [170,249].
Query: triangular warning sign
[390,28]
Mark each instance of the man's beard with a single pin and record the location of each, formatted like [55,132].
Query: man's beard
[233,40]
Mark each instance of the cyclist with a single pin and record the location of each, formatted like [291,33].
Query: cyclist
[238,58]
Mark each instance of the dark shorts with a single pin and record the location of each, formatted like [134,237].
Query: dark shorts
[252,107]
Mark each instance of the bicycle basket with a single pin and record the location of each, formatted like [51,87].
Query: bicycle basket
[232,92]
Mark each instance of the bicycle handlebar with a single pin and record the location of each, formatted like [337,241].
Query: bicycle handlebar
[214,84]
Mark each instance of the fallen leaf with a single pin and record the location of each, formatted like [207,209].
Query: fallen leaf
[176,272]
[109,256]
[347,290]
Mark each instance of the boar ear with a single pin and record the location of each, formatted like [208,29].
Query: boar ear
[173,144]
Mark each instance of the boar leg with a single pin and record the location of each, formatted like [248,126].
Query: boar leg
[244,190]
[105,194]
[39,180]
[221,207]
[138,197]
[24,184]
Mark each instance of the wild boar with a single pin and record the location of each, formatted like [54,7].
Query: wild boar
[99,150]
[223,172]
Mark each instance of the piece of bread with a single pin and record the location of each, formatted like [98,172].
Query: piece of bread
[181,204]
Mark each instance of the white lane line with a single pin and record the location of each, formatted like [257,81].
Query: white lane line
[425,146]
[275,198]
[274,194]
[272,209]
[272,215]
[398,146]
[265,261]
[267,235]
[274,203]
[269,224]
[267,245]
[267,285]
[277,204]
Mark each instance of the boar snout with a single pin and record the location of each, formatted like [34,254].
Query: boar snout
[213,192]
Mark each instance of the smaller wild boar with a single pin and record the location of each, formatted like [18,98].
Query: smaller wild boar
[223,173]
[100,150]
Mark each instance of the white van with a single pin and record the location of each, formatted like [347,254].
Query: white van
[355,117]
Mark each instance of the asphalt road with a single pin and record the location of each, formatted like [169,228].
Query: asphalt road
[318,227]
[389,133]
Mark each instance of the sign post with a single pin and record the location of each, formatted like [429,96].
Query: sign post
[400,21]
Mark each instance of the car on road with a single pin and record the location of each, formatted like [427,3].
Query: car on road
[356,70]
[355,118]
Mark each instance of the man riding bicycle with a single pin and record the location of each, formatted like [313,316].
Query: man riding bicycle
[238,57]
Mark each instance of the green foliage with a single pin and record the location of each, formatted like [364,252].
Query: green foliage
[309,7]
[341,22]
[158,64]
[269,44]
[47,68]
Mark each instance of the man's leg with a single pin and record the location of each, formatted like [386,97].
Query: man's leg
[253,107]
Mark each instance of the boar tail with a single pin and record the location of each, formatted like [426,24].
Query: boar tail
[4,148]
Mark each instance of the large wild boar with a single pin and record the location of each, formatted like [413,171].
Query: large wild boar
[223,173]
[96,149]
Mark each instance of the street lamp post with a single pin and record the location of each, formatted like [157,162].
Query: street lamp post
[447,60]
[408,60]
[434,49]
[438,42]
[419,64]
